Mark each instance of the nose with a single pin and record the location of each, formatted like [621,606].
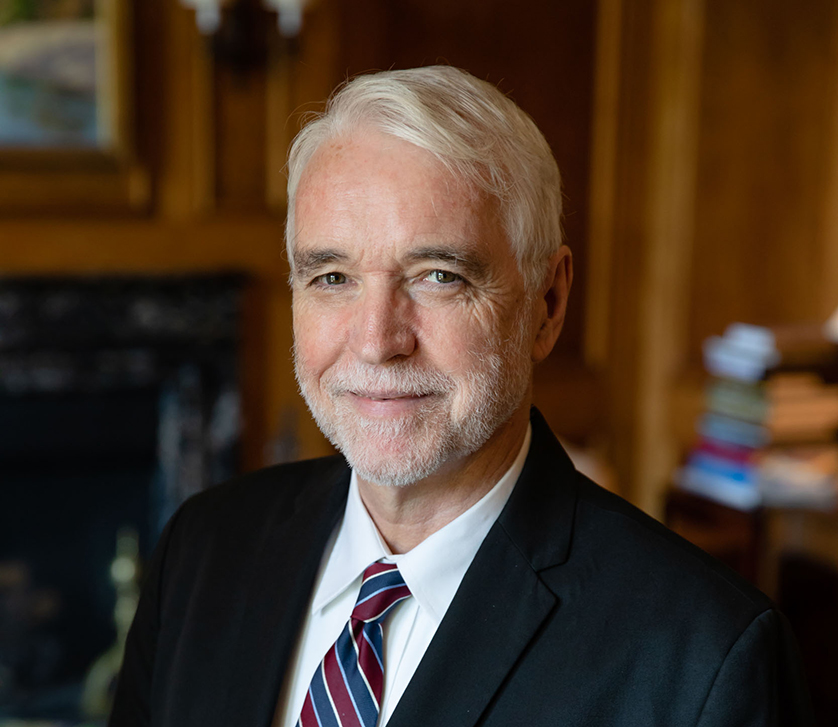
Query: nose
[382,328]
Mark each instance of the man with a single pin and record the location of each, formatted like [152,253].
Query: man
[428,278]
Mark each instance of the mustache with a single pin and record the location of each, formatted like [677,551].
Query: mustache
[398,379]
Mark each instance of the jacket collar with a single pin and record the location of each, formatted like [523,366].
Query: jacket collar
[502,601]
[538,518]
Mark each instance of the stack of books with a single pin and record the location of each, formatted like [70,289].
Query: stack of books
[768,432]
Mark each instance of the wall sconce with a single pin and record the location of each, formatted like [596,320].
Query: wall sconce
[207,14]
[289,14]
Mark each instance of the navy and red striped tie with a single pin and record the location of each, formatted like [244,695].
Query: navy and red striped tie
[346,688]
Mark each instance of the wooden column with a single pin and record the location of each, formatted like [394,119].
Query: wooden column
[643,242]
[829,229]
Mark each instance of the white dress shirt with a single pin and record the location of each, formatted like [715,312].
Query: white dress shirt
[433,571]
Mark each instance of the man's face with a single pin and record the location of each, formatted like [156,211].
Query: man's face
[412,326]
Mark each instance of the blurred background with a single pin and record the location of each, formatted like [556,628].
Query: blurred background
[145,315]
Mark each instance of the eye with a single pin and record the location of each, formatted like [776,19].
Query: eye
[331,279]
[446,277]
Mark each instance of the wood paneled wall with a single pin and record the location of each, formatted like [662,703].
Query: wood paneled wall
[766,154]
[698,141]
[722,200]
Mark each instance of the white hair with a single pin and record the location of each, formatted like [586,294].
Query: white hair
[472,128]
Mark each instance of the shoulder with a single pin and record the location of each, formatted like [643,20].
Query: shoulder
[683,635]
[667,621]
[258,501]
[262,488]
[289,476]
[626,556]
[217,534]
[647,558]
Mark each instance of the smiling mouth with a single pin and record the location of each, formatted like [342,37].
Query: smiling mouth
[386,396]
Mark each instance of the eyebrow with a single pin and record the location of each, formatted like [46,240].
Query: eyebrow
[307,261]
[473,266]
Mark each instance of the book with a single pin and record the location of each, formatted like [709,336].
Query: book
[768,432]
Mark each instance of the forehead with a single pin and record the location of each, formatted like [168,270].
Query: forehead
[368,162]
[377,188]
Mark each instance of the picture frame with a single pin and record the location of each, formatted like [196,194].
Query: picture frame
[67,109]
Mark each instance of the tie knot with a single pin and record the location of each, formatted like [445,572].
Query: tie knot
[383,587]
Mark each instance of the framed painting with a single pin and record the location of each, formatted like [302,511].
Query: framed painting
[66,106]
[58,84]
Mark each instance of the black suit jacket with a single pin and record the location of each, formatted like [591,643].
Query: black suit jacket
[578,609]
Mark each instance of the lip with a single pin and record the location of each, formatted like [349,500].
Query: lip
[384,395]
[385,403]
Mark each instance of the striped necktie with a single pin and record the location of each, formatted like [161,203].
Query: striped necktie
[346,688]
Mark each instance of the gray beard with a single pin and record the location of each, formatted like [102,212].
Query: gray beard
[495,391]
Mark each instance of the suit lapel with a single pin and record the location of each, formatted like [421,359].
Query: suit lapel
[479,640]
[502,601]
[283,577]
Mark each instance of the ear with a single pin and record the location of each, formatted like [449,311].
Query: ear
[553,303]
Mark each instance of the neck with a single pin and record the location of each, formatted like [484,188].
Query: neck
[405,516]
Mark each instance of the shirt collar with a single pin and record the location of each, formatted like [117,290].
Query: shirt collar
[434,569]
